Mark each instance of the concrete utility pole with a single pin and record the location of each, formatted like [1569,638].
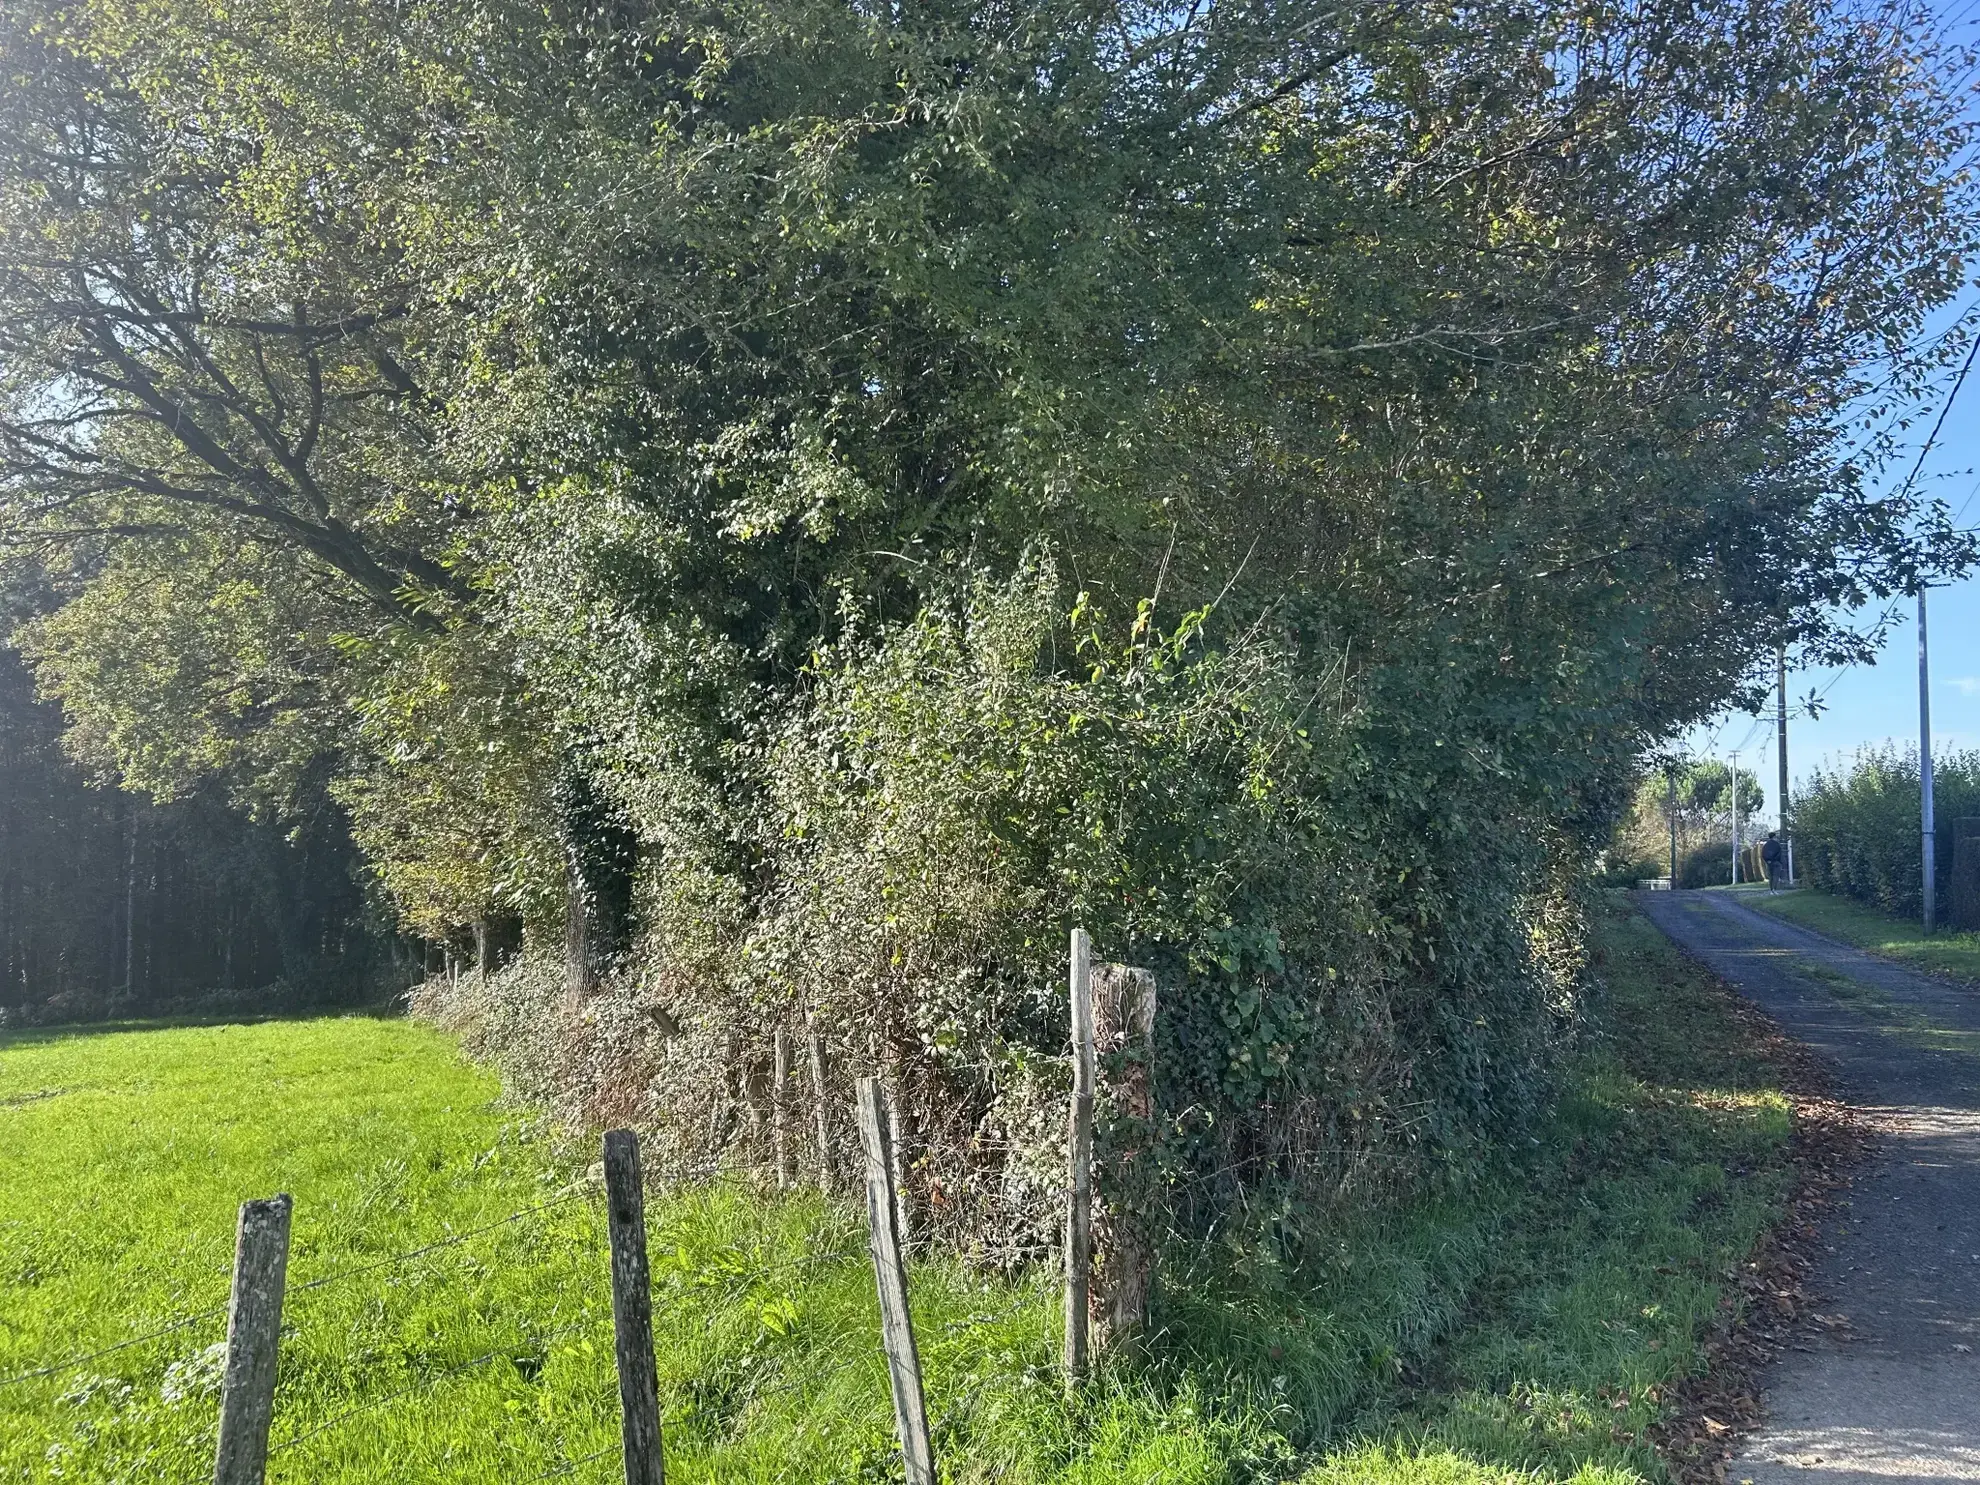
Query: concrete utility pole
[1734,792]
[1929,881]
[1780,736]
[1671,779]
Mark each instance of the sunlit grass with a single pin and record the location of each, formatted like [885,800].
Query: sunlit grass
[1528,1317]
[1955,955]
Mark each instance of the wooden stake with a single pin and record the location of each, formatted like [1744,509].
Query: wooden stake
[897,1158]
[1123,1228]
[632,1312]
[876,1137]
[1079,1205]
[254,1330]
[780,1107]
[819,1109]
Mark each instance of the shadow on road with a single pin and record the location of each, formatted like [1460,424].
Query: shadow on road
[1897,1397]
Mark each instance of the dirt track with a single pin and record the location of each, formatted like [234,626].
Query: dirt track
[1895,1395]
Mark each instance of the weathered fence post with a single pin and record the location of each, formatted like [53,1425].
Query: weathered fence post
[1079,1195]
[254,1330]
[780,1107]
[1123,1229]
[897,1164]
[876,1137]
[632,1311]
[818,1106]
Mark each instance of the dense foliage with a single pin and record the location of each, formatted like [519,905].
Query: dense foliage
[798,504]
[1856,828]
[1687,806]
[112,904]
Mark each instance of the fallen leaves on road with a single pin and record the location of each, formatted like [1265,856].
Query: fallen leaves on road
[1713,1410]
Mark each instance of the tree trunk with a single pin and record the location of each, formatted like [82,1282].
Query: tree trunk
[130,900]
[580,977]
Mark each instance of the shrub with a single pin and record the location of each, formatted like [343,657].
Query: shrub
[1856,830]
[1348,978]
[1707,865]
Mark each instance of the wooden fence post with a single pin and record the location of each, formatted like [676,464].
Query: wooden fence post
[1123,1228]
[780,1106]
[632,1312]
[254,1330]
[1079,1198]
[876,1137]
[818,1107]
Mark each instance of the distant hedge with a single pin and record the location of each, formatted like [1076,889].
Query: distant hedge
[1706,865]
[1856,830]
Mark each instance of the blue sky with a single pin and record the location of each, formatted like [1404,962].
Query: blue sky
[1870,705]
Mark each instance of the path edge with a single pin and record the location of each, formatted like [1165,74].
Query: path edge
[1769,1306]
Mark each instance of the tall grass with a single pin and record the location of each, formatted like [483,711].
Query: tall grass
[1524,1317]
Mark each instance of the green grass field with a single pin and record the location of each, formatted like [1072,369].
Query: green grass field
[1522,1323]
[1954,955]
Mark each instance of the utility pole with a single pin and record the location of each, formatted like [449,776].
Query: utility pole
[1734,792]
[1926,830]
[1671,779]
[1780,736]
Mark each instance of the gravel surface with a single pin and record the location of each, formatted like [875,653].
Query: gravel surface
[1893,1394]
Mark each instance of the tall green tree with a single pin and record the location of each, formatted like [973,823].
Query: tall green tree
[831,494]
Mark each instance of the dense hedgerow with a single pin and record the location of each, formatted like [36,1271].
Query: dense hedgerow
[1856,829]
[800,504]
[1344,986]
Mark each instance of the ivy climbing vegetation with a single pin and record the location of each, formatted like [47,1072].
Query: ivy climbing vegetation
[795,505]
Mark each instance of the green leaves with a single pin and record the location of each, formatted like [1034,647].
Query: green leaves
[1429,406]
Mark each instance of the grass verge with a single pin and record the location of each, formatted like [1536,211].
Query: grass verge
[1540,1317]
[1956,956]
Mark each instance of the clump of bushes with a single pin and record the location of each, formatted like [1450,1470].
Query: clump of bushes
[1345,982]
[1856,829]
[1706,865]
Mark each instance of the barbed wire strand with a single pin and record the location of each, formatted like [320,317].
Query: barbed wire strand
[422,1383]
[571,1468]
[89,1356]
[765,1270]
[191,1320]
[434,1247]
[378,1402]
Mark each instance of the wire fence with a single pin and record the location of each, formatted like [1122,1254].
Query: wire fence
[257,1330]
[731,1269]
[71,1363]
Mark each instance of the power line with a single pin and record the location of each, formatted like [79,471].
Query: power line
[1911,479]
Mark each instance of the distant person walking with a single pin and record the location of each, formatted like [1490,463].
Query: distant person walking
[1770,856]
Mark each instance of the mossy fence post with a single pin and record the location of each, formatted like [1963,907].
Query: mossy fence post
[1123,1264]
[254,1330]
[876,1137]
[1079,1154]
[632,1311]
[1113,1009]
